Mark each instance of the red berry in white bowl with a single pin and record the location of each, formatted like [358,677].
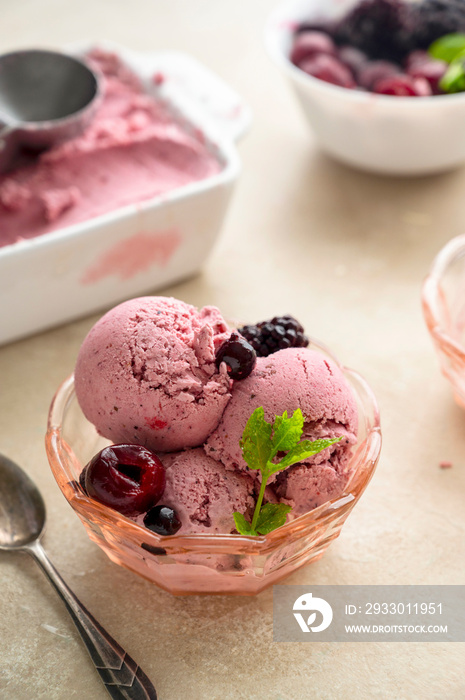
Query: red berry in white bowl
[329,69]
[373,72]
[127,478]
[310,43]
[403,86]
[430,70]
[352,58]
[422,87]
[415,57]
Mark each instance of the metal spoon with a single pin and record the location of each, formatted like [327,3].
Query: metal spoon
[22,520]
[45,97]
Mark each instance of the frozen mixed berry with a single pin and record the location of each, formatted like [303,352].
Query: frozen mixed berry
[403,86]
[429,69]
[380,39]
[128,478]
[280,333]
[239,356]
[352,58]
[329,69]
[435,18]
[379,28]
[163,520]
[372,72]
[417,57]
[310,43]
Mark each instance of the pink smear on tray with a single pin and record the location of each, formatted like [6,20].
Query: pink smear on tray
[133,255]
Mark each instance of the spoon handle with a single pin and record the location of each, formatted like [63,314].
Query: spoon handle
[123,678]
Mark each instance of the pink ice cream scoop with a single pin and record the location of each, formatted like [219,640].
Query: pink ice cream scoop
[307,486]
[284,381]
[146,373]
[203,493]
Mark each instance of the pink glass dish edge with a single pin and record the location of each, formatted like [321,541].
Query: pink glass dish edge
[439,316]
[199,563]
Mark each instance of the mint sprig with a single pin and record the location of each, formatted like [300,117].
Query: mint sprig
[260,444]
[270,517]
[451,49]
[447,47]
[453,79]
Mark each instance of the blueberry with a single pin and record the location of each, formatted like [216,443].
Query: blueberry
[163,520]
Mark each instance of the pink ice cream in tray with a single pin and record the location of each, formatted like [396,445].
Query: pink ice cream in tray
[132,150]
[209,458]
[120,209]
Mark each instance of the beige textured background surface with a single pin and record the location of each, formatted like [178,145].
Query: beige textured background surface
[346,253]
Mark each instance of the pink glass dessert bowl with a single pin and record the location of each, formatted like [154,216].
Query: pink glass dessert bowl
[443,301]
[199,563]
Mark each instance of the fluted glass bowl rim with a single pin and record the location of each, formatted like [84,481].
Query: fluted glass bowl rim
[63,463]
[432,297]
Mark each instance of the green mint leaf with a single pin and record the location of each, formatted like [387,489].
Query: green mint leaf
[304,449]
[256,440]
[286,432]
[272,516]
[453,79]
[242,526]
[447,47]
[261,441]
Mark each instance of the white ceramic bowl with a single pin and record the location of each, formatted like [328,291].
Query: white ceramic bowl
[76,270]
[380,133]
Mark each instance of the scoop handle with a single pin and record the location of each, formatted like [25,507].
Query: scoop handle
[8,146]
[122,677]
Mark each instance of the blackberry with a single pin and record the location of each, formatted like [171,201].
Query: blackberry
[434,18]
[379,28]
[280,333]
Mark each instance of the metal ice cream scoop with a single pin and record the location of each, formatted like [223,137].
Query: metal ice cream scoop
[45,97]
[22,520]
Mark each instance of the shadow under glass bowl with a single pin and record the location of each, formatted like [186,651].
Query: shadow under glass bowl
[199,563]
[443,300]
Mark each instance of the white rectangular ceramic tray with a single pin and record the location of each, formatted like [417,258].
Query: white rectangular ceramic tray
[140,248]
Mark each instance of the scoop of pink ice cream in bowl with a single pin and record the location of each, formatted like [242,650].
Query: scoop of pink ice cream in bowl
[443,299]
[158,443]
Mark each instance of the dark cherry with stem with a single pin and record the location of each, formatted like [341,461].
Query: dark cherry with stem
[128,478]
